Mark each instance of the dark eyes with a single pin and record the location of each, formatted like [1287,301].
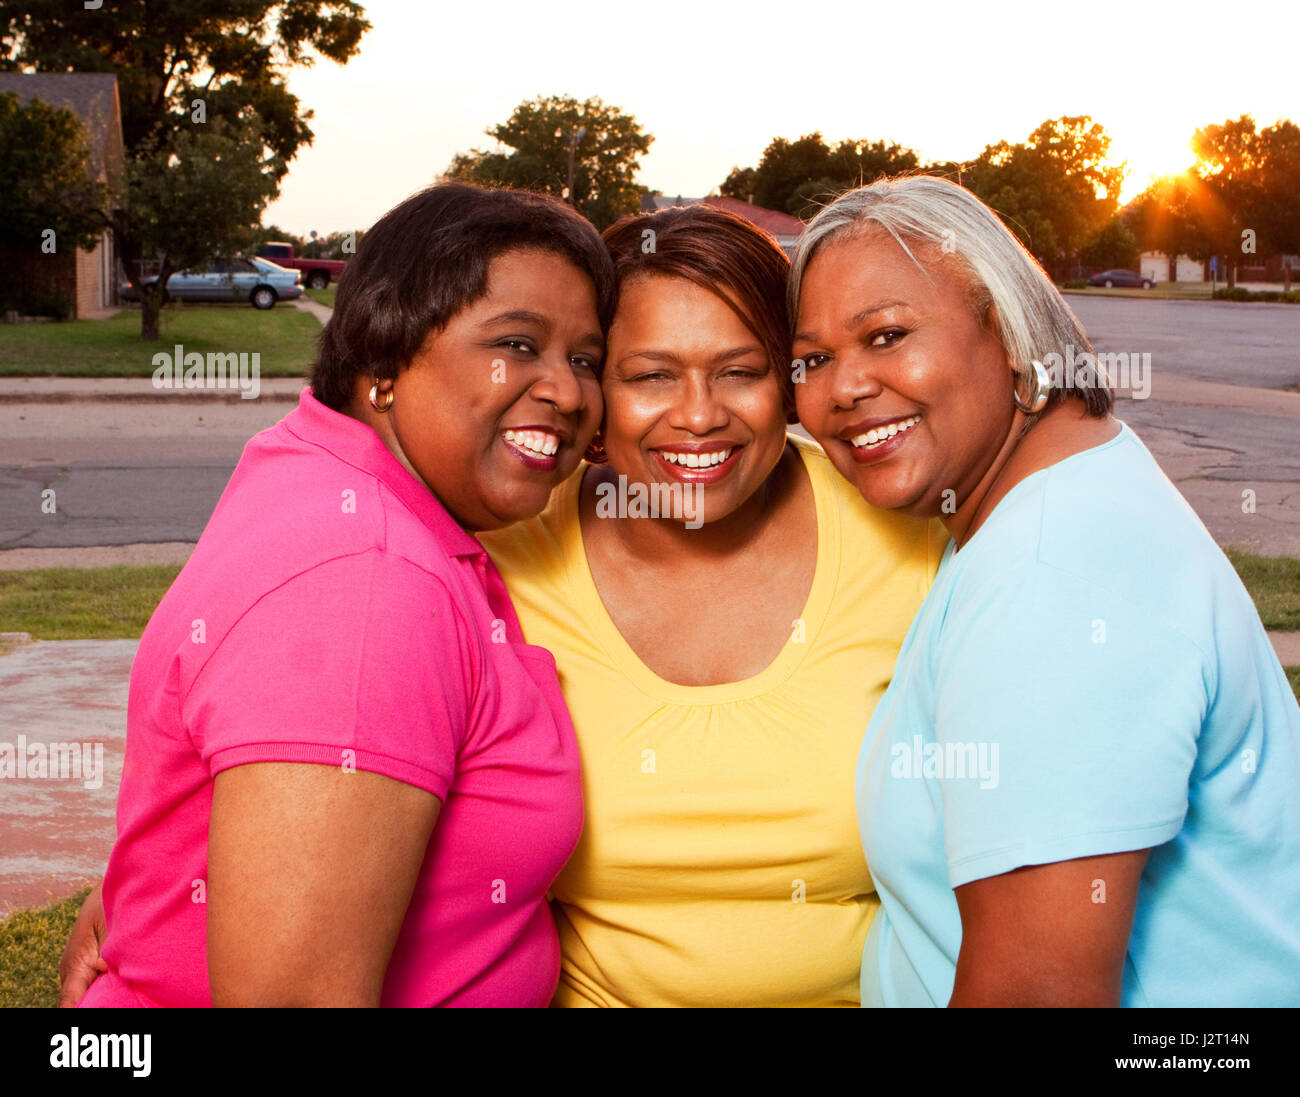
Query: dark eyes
[526,348]
[734,374]
[886,337]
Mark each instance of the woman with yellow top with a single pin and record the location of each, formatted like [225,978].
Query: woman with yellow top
[725,611]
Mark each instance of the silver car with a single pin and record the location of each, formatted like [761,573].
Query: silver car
[257,281]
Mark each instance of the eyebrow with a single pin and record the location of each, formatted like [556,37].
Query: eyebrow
[668,356]
[517,316]
[855,320]
[523,316]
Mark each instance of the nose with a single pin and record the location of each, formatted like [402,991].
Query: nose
[696,409]
[851,380]
[559,386]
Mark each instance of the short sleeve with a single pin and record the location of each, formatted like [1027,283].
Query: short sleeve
[359,661]
[1078,715]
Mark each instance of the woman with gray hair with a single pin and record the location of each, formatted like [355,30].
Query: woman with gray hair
[1079,786]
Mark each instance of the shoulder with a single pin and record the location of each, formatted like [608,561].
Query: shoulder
[1105,524]
[866,532]
[532,552]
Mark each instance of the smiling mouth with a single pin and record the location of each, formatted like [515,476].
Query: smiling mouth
[692,460]
[871,439]
[535,448]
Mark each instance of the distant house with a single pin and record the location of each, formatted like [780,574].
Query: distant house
[87,278]
[785,228]
[1159,267]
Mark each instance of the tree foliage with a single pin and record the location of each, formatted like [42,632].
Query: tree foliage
[536,140]
[1056,191]
[44,182]
[1238,202]
[799,176]
[197,80]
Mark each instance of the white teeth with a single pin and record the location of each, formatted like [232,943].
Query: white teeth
[881,434]
[536,442]
[696,460]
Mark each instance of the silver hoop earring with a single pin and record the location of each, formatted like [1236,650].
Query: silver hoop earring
[1042,384]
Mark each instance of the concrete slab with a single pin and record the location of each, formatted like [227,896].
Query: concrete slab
[57,829]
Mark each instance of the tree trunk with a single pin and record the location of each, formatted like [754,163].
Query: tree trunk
[1230,270]
[151,303]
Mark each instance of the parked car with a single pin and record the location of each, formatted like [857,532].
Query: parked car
[317,273]
[1110,278]
[257,281]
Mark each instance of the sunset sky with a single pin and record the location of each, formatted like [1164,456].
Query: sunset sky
[715,83]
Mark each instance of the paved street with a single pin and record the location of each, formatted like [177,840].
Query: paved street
[1223,417]
[151,470]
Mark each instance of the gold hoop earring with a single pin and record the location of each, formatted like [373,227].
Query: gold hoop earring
[596,454]
[374,402]
[1042,384]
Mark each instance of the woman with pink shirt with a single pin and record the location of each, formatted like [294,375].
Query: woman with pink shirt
[336,733]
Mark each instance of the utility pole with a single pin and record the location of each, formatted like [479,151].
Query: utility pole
[574,137]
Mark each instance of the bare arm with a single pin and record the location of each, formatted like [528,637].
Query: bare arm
[81,963]
[1048,935]
[310,872]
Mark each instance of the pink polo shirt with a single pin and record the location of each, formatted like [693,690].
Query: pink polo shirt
[334,613]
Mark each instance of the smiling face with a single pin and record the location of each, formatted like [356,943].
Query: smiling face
[905,388]
[497,407]
[690,395]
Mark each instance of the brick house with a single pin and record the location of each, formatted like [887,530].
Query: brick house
[87,278]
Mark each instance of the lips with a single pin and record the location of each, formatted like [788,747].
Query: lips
[698,463]
[876,439]
[535,446]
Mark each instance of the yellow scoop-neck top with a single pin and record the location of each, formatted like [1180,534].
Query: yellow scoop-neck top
[720,862]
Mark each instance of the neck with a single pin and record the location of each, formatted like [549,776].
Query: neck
[1059,432]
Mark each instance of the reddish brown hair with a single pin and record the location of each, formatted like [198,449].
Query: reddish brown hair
[723,254]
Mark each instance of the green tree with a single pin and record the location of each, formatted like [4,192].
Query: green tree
[739,184]
[1164,218]
[799,176]
[195,80]
[194,193]
[1229,200]
[43,179]
[539,136]
[1113,246]
[1055,191]
[48,202]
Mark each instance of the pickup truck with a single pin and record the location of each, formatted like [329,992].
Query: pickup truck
[317,273]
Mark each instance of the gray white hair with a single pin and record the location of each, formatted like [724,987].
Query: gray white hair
[1033,320]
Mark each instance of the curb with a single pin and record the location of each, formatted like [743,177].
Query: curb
[161,397]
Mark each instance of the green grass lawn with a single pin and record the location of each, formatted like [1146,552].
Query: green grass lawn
[284,336]
[324,296]
[1274,584]
[1168,291]
[82,603]
[31,942]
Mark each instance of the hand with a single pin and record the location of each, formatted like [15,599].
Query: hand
[81,963]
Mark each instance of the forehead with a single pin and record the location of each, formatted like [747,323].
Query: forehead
[870,265]
[674,310]
[544,277]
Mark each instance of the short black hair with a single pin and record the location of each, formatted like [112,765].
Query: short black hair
[428,258]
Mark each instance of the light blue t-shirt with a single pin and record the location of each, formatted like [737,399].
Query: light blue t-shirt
[1089,676]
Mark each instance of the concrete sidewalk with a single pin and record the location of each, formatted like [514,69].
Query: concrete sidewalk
[139,390]
[56,831]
